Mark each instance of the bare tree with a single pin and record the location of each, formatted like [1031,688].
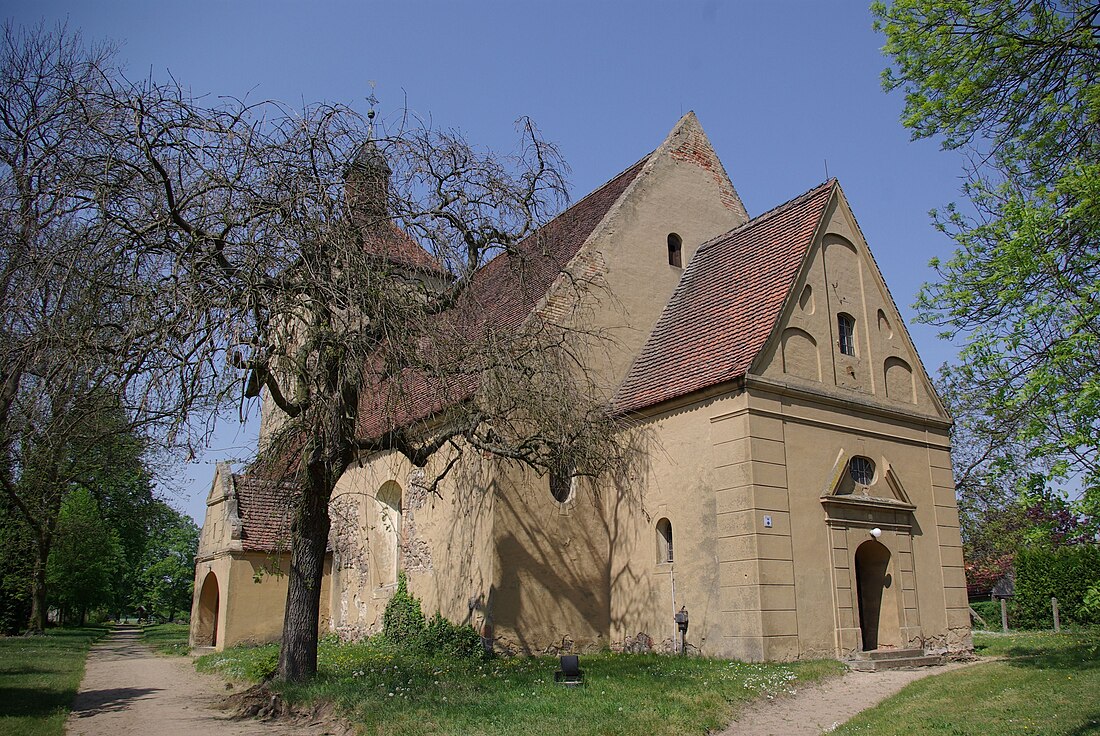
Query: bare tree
[66,320]
[339,273]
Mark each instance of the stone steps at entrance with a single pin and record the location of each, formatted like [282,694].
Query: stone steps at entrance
[880,660]
[891,654]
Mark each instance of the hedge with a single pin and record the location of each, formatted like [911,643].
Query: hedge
[1065,574]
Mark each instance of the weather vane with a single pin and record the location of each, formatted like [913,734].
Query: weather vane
[372,101]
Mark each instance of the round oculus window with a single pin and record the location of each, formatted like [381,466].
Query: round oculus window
[862,470]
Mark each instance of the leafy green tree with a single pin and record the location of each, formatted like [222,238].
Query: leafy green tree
[1016,85]
[85,560]
[16,563]
[166,577]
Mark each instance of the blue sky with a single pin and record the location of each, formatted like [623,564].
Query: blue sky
[780,87]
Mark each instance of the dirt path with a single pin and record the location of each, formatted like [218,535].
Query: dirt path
[128,690]
[818,709]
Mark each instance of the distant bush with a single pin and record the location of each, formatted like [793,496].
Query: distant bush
[990,611]
[1066,574]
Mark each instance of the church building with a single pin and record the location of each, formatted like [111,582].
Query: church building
[792,491]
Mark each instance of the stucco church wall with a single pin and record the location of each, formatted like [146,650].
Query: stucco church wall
[493,549]
[677,482]
[550,589]
[251,600]
[755,519]
[443,543]
[824,559]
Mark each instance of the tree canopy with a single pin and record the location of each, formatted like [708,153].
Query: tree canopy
[314,257]
[1016,85]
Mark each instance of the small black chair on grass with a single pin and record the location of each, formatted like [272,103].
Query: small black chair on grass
[570,672]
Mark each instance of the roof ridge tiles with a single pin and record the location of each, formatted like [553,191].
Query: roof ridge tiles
[576,205]
[768,214]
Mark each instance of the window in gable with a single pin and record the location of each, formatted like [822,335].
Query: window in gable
[862,470]
[846,327]
[675,244]
[664,541]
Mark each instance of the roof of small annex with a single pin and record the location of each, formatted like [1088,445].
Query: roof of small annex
[726,305]
[265,508]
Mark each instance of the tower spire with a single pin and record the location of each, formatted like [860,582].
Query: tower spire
[373,102]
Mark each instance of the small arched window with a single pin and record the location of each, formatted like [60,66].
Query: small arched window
[561,484]
[675,244]
[862,470]
[846,328]
[664,541]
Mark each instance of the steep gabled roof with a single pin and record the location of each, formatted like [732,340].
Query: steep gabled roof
[726,304]
[502,294]
[264,507]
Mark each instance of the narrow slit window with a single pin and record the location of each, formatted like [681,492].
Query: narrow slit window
[664,541]
[675,245]
[846,327]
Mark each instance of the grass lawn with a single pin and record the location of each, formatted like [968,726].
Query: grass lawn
[388,691]
[39,676]
[1048,684]
[166,638]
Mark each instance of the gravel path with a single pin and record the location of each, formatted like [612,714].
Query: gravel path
[128,690]
[815,710]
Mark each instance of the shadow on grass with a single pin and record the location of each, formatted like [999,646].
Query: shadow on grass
[21,702]
[1065,652]
[94,702]
[27,670]
[1091,727]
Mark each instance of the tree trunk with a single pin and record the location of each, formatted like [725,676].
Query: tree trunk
[309,538]
[37,623]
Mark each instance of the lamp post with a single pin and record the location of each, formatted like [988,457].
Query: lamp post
[681,619]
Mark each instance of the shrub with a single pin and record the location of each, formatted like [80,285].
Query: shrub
[403,621]
[403,624]
[1066,574]
[440,636]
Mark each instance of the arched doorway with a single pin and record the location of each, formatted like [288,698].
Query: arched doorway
[206,630]
[875,594]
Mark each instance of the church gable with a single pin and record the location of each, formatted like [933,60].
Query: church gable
[642,249]
[221,528]
[841,329]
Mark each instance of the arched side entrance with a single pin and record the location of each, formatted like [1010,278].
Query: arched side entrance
[206,630]
[876,597]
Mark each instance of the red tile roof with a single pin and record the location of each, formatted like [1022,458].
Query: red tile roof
[501,295]
[726,304]
[389,242]
[265,509]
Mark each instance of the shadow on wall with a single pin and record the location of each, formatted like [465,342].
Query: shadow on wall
[556,577]
[643,583]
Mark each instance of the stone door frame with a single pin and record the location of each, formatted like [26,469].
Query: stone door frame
[850,520]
